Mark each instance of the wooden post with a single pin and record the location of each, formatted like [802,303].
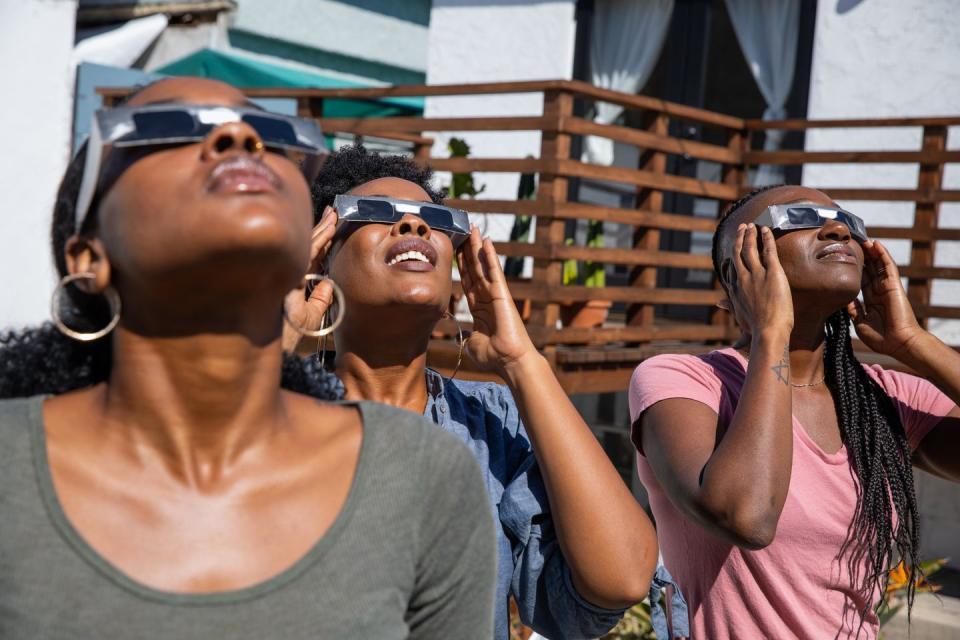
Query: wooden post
[309,107]
[551,191]
[926,219]
[736,175]
[646,238]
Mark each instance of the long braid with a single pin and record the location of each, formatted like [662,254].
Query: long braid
[886,522]
[880,456]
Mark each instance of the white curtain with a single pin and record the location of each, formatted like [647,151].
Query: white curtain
[767,32]
[625,42]
[123,45]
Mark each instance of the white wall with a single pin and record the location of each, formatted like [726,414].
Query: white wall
[888,58]
[36,40]
[878,58]
[494,41]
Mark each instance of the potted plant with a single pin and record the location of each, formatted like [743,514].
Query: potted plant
[589,313]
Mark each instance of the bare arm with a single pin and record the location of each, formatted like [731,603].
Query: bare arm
[607,540]
[736,487]
[886,323]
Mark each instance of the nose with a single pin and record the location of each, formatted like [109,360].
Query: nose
[834,230]
[232,137]
[410,224]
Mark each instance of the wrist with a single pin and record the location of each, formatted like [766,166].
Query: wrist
[919,350]
[771,337]
[526,366]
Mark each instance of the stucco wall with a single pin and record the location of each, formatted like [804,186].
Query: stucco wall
[878,58]
[36,40]
[494,41]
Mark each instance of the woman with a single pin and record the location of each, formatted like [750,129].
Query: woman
[185,495]
[779,470]
[575,548]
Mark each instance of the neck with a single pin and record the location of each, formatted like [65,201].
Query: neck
[807,343]
[199,401]
[391,371]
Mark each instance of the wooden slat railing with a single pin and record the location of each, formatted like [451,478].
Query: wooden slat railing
[601,359]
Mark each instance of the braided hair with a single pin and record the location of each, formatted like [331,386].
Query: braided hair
[41,360]
[886,522]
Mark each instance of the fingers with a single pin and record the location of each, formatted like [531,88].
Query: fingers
[740,270]
[880,260]
[771,259]
[750,252]
[322,237]
[856,311]
[491,262]
[472,255]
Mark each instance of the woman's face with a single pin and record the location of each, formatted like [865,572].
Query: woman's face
[826,261]
[364,263]
[199,218]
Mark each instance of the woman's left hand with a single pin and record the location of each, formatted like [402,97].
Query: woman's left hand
[499,337]
[884,321]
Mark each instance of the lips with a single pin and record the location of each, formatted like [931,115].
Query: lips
[242,174]
[411,254]
[837,252]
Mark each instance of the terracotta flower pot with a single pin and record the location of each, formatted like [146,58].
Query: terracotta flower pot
[589,314]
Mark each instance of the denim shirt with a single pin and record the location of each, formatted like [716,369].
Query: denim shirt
[530,563]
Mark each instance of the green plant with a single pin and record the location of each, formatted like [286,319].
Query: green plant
[635,625]
[462,184]
[895,595]
[520,232]
[587,273]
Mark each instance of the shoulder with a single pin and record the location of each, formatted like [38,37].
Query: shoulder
[477,403]
[896,384]
[694,377]
[918,402]
[16,421]
[16,415]
[409,436]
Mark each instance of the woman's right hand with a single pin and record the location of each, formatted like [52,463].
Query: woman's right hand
[759,292]
[308,313]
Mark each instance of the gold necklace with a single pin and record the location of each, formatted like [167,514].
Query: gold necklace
[746,356]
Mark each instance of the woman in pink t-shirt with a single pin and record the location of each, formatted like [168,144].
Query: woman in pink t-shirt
[779,470]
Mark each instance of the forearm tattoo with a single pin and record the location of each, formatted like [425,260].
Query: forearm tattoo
[782,368]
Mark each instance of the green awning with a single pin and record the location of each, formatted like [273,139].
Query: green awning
[242,71]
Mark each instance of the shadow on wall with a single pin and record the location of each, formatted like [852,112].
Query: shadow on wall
[844,6]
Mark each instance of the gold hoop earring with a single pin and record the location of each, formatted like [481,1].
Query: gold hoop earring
[447,314]
[322,331]
[113,299]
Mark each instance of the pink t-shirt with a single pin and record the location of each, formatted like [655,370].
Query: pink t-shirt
[798,586]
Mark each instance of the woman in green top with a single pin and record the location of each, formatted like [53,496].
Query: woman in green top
[188,495]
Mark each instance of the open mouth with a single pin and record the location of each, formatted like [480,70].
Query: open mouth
[412,254]
[837,252]
[243,174]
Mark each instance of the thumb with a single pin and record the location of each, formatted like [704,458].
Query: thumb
[856,311]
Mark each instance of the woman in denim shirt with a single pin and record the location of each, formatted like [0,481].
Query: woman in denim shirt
[575,548]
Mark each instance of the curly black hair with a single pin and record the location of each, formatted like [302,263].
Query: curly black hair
[878,451]
[354,165]
[41,360]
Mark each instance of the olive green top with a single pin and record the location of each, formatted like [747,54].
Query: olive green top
[410,555]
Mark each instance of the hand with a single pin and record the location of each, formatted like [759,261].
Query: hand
[307,313]
[759,294]
[884,320]
[499,338]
